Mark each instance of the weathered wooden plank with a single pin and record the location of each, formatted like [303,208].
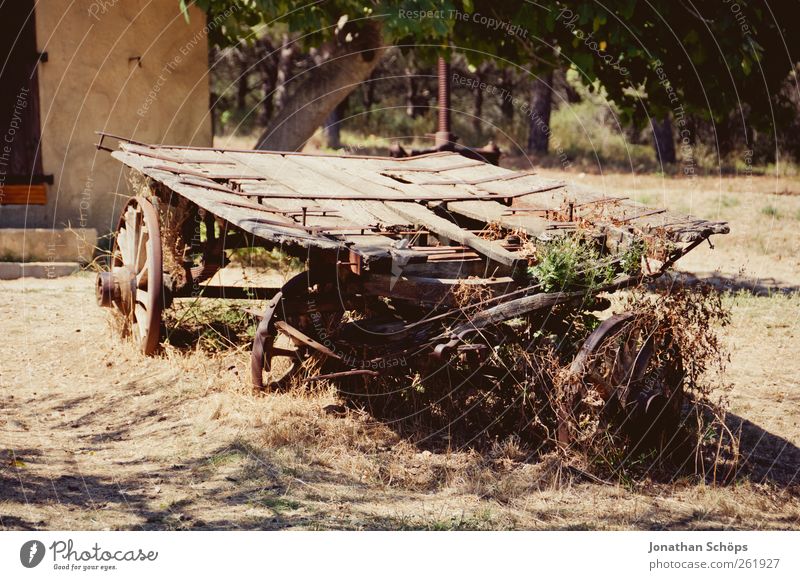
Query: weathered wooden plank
[434,171]
[427,163]
[239,217]
[425,218]
[481,178]
[262,152]
[495,213]
[368,171]
[374,249]
[379,211]
[180,156]
[297,177]
[281,206]
[632,216]
[309,178]
[357,176]
[487,211]
[507,184]
[514,308]
[363,190]
[216,172]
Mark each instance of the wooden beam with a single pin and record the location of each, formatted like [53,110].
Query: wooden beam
[423,217]
[429,289]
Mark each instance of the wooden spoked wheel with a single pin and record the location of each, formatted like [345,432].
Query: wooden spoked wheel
[290,335]
[137,272]
[274,353]
[639,375]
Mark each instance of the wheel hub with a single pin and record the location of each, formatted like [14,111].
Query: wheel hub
[106,289]
[116,288]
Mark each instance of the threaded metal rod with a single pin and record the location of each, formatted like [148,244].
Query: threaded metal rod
[443,135]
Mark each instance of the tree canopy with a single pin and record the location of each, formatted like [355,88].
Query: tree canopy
[652,57]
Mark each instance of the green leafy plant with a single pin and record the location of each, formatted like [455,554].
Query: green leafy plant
[631,258]
[571,263]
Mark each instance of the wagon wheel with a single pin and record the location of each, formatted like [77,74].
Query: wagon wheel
[639,375]
[135,283]
[290,333]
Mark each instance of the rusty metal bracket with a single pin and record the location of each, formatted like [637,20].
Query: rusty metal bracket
[298,336]
[342,374]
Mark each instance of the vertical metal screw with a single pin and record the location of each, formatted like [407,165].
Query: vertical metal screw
[443,135]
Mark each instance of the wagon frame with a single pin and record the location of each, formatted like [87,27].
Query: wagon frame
[388,238]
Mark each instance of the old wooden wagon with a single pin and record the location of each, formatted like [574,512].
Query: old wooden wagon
[391,249]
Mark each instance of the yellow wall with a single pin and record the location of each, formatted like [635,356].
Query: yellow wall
[93,81]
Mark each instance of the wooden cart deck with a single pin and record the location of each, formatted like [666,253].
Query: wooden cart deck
[368,204]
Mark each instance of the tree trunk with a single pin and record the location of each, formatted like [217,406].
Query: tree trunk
[541,106]
[212,106]
[368,97]
[333,125]
[322,89]
[506,104]
[242,87]
[269,74]
[212,96]
[413,98]
[285,60]
[560,78]
[663,140]
[477,119]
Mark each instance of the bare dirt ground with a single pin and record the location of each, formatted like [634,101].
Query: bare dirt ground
[94,436]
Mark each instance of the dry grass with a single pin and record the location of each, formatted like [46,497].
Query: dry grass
[104,438]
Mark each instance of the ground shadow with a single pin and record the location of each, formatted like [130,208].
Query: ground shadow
[259,494]
[255,482]
[729,283]
[766,457]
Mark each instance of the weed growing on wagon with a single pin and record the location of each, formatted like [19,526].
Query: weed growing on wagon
[517,391]
[686,323]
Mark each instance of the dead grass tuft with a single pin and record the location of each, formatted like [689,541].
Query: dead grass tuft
[467,292]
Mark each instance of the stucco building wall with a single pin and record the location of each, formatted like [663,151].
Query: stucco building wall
[135,68]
